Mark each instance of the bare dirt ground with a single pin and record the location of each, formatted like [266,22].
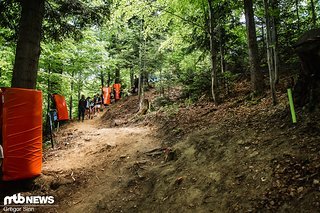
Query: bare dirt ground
[93,166]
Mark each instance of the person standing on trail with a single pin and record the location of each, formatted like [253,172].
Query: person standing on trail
[88,108]
[93,105]
[98,103]
[82,107]
[136,84]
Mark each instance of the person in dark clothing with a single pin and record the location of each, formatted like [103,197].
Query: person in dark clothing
[82,107]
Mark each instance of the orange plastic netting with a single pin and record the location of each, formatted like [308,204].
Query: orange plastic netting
[21,123]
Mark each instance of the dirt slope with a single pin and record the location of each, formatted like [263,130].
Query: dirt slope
[242,156]
[94,165]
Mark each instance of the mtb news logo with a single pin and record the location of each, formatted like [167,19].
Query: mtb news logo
[18,202]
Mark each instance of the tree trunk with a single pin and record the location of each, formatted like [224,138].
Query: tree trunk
[109,79]
[102,79]
[213,56]
[297,12]
[222,60]
[71,96]
[48,91]
[271,51]
[79,85]
[142,80]
[274,36]
[131,77]
[28,46]
[257,84]
[314,15]
[263,38]
[117,80]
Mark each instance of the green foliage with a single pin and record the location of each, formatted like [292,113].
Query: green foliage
[164,39]
[6,64]
[171,110]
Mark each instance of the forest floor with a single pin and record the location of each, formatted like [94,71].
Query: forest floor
[241,156]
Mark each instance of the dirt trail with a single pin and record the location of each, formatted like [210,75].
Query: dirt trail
[89,169]
[238,157]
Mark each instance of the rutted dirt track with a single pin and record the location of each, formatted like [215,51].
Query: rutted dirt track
[99,161]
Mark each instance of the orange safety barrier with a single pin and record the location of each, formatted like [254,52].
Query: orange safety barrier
[61,107]
[107,95]
[21,118]
[117,88]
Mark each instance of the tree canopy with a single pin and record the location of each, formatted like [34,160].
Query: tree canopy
[93,43]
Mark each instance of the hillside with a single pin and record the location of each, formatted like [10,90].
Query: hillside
[243,155]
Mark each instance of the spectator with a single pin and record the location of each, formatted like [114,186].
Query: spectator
[82,108]
[92,107]
[98,103]
[88,109]
[136,84]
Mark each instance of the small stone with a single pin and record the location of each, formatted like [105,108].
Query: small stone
[247,148]
[254,154]
[315,182]
[300,189]
[241,142]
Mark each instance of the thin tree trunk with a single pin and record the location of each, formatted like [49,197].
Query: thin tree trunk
[48,91]
[274,37]
[117,75]
[222,60]
[143,76]
[257,83]
[314,15]
[213,56]
[141,65]
[102,79]
[28,46]
[109,79]
[297,13]
[140,74]
[263,37]
[161,85]
[131,77]
[79,85]
[270,52]
[71,96]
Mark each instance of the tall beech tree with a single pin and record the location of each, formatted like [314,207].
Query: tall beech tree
[256,76]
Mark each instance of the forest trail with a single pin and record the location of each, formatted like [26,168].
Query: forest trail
[94,158]
[238,157]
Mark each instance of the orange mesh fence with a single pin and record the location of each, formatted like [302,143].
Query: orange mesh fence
[21,111]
